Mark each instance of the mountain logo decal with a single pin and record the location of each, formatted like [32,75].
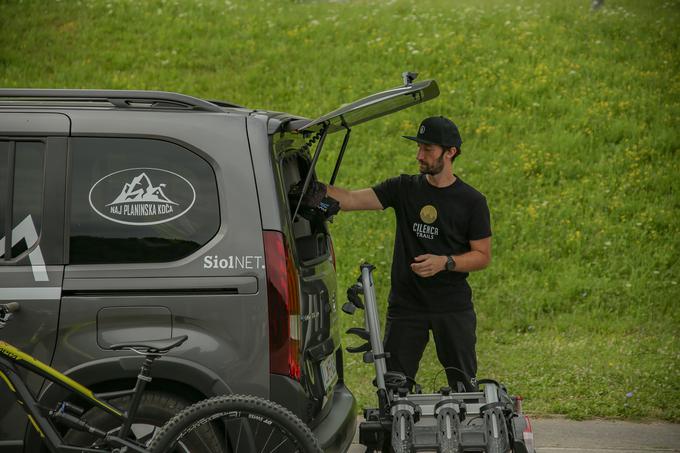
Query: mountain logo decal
[142,196]
[141,189]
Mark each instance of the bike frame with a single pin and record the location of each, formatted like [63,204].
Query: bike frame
[11,358]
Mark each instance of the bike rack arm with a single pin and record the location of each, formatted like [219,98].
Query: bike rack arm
[373,324]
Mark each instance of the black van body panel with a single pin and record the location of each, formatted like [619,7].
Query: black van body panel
[40,124]
[122,371]
[263,169]
[337,430]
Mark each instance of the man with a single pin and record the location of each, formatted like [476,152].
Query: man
[443,233]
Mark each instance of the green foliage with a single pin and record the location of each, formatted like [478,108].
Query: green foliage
[570,127]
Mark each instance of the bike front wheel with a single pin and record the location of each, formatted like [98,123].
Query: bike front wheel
[243,424]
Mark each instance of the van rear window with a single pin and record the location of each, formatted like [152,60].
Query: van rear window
[139,200]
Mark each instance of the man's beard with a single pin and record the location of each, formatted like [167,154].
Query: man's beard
[433,169]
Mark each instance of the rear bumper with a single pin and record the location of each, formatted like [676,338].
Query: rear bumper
[336,430]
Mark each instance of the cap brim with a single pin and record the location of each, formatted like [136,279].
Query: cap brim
[420,140]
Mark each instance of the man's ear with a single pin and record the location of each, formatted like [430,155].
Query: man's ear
[451,152]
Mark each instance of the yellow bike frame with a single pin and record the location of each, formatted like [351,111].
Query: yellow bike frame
[10,358]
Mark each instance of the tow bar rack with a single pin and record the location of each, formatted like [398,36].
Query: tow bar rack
[444,422]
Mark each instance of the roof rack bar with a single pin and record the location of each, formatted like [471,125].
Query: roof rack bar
[113,96]
[224,103]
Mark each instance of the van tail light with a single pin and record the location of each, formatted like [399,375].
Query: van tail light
[283,297]
[528,436]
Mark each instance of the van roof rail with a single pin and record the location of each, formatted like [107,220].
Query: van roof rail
[118,98]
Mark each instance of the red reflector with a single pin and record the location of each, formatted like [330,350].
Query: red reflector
[518,404]
[332,252]
[528,435]
[283,296]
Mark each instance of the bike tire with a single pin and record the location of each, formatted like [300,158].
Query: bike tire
[263,424]
[155,409]
[448,432]
[496,446]
[398,444]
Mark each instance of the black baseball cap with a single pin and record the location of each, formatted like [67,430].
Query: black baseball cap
[438,130]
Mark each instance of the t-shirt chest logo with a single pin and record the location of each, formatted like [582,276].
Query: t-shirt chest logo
[428,214]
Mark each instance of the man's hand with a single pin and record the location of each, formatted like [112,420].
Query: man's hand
[313,196]
[428,265]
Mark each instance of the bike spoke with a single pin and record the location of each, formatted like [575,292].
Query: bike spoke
[258,426]
[281,443]
[267,441]
[238,439]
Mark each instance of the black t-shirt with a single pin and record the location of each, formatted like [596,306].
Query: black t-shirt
[440,221]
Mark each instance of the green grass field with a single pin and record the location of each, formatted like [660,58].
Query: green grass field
[570,122]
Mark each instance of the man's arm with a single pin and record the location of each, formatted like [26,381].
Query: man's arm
[355,200]
[476,259]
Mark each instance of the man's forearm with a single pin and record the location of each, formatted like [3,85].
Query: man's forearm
[428,265]
[473,260]
[354,200]
[343,196]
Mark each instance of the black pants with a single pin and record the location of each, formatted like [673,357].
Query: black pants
[407,334]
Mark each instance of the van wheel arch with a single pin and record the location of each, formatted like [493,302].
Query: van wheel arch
[155,409]
[172,375]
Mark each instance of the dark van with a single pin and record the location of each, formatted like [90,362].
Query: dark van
[141,215]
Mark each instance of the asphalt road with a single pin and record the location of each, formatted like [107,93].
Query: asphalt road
[558,435]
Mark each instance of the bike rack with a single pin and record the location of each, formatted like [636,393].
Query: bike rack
[442,422]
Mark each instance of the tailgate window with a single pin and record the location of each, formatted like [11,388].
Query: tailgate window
[311,234]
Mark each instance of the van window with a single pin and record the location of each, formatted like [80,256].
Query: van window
[139,200]
[23,163]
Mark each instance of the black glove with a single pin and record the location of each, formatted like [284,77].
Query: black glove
[329,206]
[316,191]
[314,201]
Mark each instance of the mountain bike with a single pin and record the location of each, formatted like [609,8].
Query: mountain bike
[227,423]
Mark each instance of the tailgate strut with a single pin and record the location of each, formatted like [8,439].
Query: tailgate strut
[317,152]
[342,152]
[310,173]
